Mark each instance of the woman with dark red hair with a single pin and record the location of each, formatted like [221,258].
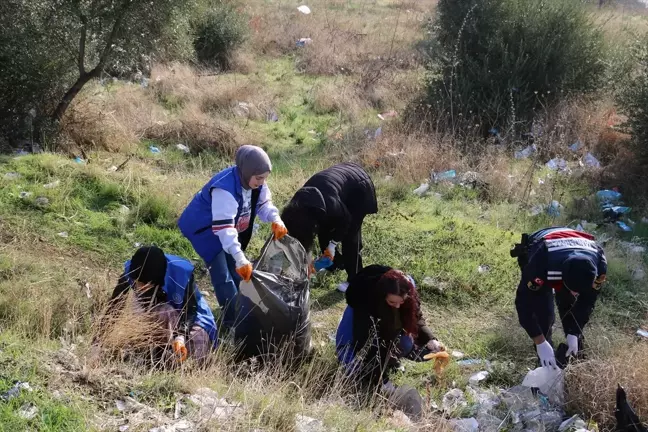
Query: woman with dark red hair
[382,323]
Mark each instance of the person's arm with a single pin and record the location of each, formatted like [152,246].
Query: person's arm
[425,334]
[266,210]
[189,309]
[224,210]
[533,284]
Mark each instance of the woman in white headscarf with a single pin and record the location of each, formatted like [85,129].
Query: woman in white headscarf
[219,222]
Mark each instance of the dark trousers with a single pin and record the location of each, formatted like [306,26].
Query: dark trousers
[350,258]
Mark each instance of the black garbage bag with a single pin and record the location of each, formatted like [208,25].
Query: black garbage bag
[273,308]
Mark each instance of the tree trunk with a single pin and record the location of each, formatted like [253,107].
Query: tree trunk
[70,95]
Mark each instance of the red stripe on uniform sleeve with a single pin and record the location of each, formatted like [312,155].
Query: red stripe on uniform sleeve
[569,234]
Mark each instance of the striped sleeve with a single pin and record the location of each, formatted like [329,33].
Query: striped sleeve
[224,209]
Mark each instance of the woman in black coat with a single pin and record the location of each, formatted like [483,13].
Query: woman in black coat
[332,204]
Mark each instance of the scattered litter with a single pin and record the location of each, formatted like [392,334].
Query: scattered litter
[453,400]
[123,428]
[623,226]
[389,178]
[21,152]
[478,377]
[15,390]
[303,42]
[575,423]
[590,161]
[11,176]
[25,194]
[536,210]
[608,196]
[388,114]
[183,148]
[470,362]
[484,268]
[642,333]
[420,191]
[576,146]
[550,382]
[154,150]
[523,154]
[137,244]
[457,354]
[112,169]
[638,274]
[255,228]
[211,405]
[304,9]
[79,160]
[124,209]
[41,201]
[378,132]
[63,234]
[308,424]
[446,175]
[52,185]
[541,181]
[402,420]
[465,425]
[557,164]
[28,411]
[272,117]
[554,209]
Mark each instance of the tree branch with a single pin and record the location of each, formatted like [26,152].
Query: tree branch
[111,37]
[82,45]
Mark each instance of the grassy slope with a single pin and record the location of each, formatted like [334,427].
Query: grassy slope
[43,302]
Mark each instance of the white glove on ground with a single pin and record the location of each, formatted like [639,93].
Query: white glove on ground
[546,354]
[572,343]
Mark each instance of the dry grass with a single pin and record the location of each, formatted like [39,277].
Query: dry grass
[345,35]
[592,385]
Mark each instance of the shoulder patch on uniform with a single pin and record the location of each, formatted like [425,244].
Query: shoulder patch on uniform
[533,286]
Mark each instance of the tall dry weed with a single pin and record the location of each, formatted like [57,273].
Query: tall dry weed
[592,385]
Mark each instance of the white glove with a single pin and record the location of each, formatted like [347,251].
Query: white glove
[546,354]
[330,249]
[572,343]
[435,346]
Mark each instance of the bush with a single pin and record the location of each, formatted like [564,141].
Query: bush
[217,35]
[495,62]
[633,100]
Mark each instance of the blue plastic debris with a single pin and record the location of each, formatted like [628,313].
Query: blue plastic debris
[378,132]
[623,226]
[79,160]
[446,175]
[303,42]
[554,209]
[523,154]
[608,196]
[322,263]
[154,149]
[576,146]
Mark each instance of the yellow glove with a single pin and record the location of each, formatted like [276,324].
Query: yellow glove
[279,230]
[245,271]
[179,348]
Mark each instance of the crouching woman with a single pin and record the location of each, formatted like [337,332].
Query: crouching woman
[382,324]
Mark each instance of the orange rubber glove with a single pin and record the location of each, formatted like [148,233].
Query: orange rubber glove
[278,230]
[245,271]
[179,348]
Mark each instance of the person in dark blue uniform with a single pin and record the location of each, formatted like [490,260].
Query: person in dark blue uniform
[568,263]
[164,286]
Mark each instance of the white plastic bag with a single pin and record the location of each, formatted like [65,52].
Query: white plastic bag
[550,382]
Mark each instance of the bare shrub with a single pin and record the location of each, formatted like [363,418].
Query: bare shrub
[592,385]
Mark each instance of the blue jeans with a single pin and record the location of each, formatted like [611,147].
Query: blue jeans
[225,281]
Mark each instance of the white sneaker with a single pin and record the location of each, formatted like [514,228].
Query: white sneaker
[343,287]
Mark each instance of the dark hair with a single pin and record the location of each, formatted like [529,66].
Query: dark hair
[300,224]
[397,283]
[149,264]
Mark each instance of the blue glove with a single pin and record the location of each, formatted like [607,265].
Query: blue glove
[322,263]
